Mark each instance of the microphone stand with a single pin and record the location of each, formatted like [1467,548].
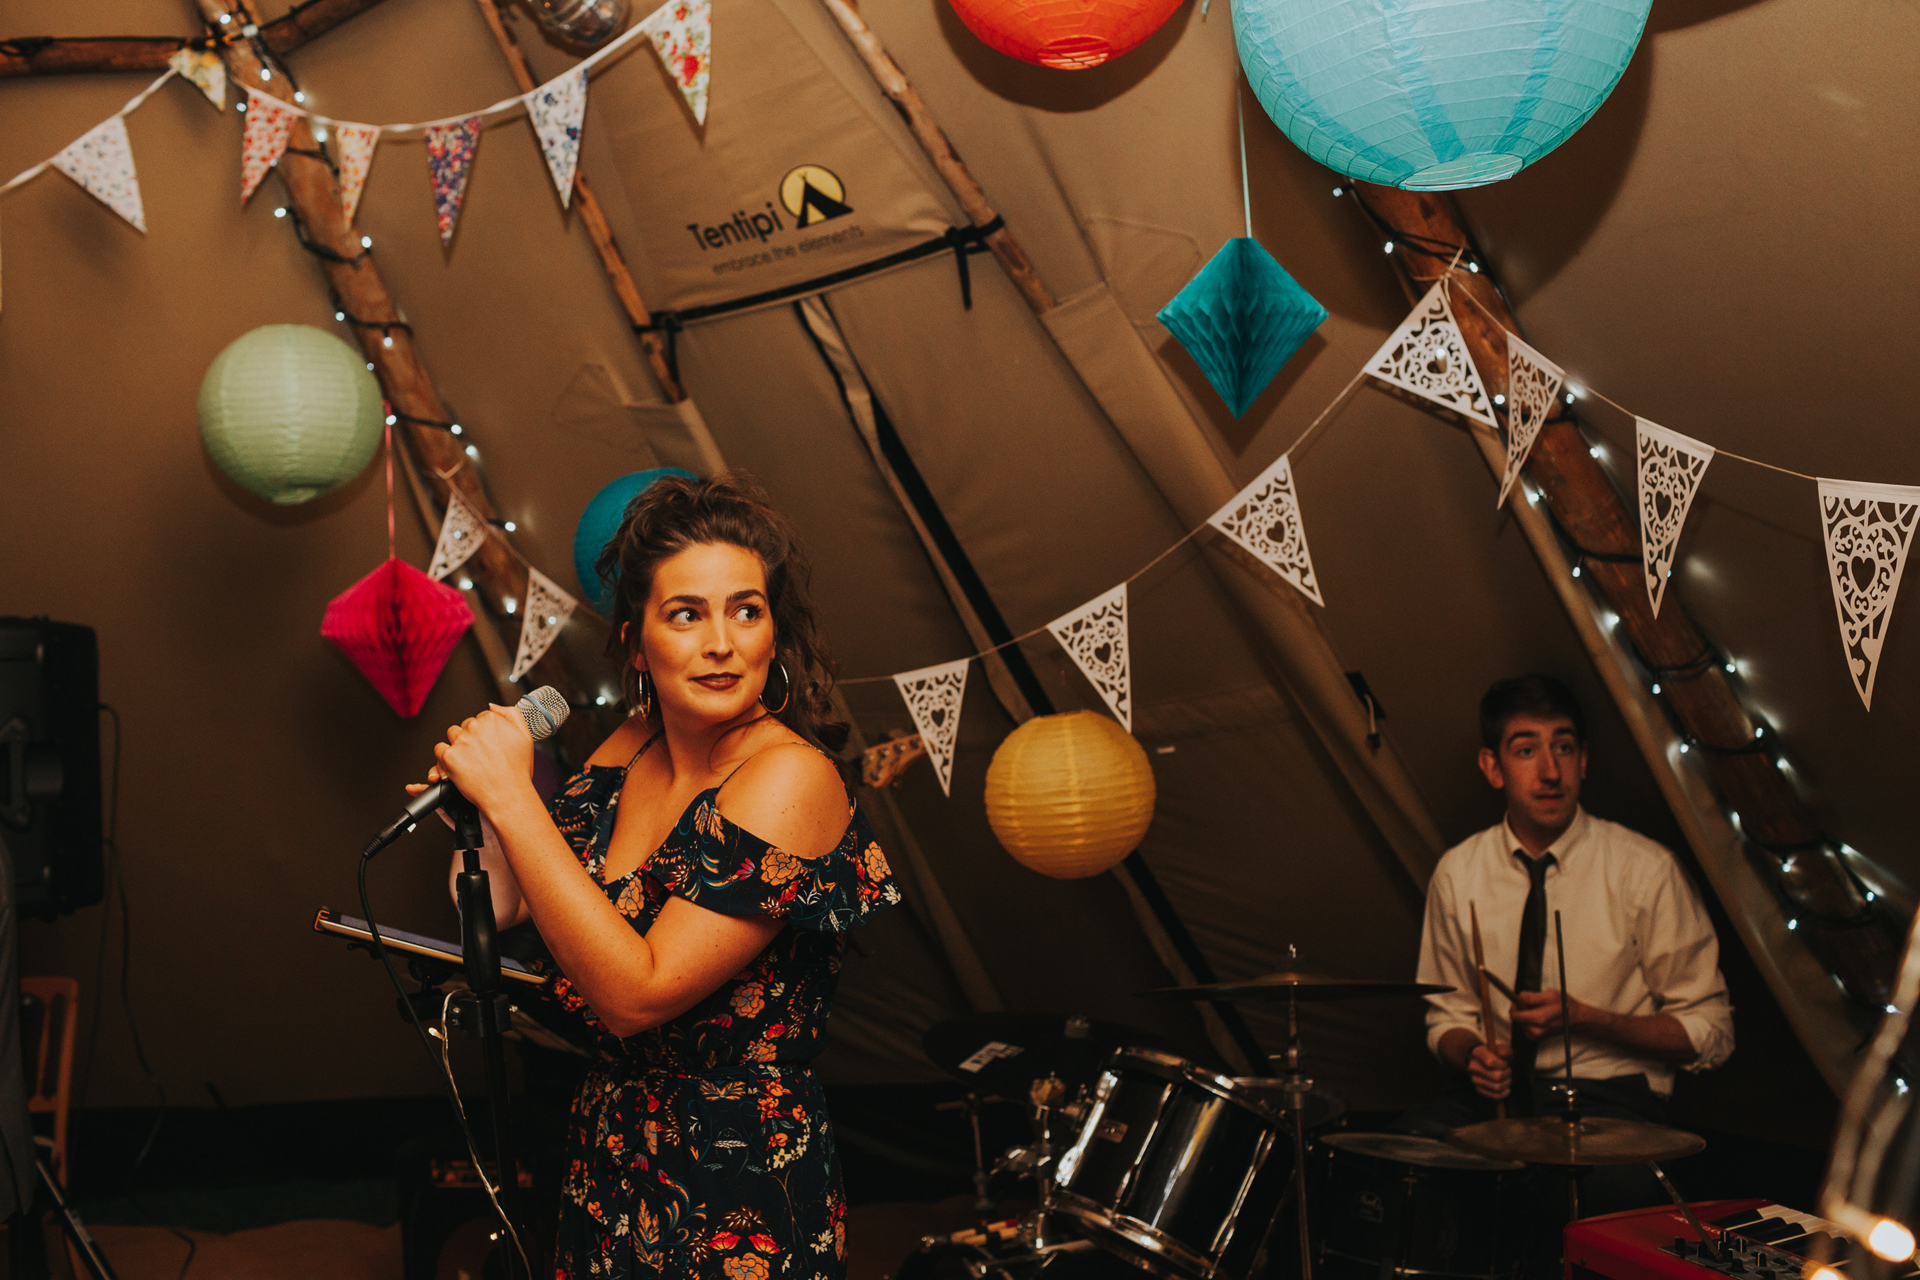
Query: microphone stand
[480,957]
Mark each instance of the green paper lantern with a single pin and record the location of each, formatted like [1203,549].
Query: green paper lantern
[289,411]
[1434,95]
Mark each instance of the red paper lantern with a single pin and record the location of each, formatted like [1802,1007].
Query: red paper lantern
[398,626]
[1067,35]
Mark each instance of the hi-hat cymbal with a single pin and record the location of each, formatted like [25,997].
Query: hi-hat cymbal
[1589,1141]
[1005,1052]
[1299,984]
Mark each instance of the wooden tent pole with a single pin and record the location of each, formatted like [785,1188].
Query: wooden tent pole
[1695,685]
[48,56]
[314,197]
[939,148]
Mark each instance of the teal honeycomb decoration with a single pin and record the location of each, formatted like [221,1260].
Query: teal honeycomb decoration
[1241,318]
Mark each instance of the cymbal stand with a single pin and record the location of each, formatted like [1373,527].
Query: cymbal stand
[1297,1087]
[971,1104]
[1569,1099]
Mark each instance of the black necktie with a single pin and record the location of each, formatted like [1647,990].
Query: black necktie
[1526,977]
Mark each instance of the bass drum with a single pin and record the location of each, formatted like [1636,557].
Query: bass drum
[1389,1204]
[1176,1168]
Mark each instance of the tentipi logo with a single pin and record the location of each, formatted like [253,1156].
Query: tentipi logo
[812,194]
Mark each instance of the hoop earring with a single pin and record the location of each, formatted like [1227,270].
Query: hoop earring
[646,697]
[787,682]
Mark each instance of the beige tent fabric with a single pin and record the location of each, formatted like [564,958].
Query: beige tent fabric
[1629,265]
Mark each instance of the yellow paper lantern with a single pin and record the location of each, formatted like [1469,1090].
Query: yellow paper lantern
[1070,795]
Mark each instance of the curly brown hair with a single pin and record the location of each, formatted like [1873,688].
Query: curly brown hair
[674,513]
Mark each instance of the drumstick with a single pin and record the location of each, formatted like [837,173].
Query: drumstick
[1486,1001]
[1500,986]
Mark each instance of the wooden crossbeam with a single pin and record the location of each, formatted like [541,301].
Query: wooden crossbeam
[59,55]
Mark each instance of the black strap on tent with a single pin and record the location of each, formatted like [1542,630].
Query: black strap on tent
[967,578]
[960,241]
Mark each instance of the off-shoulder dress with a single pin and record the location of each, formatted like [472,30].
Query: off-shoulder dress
[701,1148]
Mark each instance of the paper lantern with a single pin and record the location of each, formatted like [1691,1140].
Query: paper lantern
[398,626]
[1067,35]
[1434,95]
[1069,795]
[289,411]
[600,521]
[1242,318]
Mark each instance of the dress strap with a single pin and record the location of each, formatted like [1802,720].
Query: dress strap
[642,751]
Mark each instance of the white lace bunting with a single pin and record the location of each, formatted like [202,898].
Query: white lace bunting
[1265,518]
[933,696]
[101,160]
[545,610]
[1671,466]
[461,531]
[1427,356]
[1868,530]
[1533,384]
[1095,637]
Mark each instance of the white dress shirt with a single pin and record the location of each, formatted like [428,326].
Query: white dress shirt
[1638,942]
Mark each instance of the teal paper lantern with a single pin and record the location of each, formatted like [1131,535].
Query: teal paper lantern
[1241,318]
[289,411]
[1433,95]
[600,521]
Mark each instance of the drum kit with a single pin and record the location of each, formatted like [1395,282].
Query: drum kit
[1142,1161]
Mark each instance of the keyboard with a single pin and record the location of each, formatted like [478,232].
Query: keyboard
[1755,1240]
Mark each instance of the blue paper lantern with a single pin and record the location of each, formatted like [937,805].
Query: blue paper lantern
[1241,318]
[1433,95]
[601,520]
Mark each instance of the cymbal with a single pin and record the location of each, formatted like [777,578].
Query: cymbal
[1005,1052]
[1299,984]
[1592,1140]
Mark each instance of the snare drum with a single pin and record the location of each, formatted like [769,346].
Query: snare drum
[1399,1205]
[1176,1168]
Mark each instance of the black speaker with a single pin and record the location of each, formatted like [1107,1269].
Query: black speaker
[50,764]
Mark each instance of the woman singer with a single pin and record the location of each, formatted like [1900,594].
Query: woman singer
[695,883]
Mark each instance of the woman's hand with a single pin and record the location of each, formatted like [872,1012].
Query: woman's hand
[488,756]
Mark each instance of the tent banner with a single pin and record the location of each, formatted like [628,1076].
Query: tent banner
[1095,637]
[1671,467]
[547,610]
[790,180]
[1428,356]
[1265,518]
[1868,530]
[933,696]
[1533,386]
[461,533]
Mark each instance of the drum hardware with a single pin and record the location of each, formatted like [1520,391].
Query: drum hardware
[1296,984]
[1178,1170]
[971,1102]
[1392,1204]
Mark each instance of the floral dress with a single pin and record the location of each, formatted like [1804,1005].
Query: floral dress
[701,1147]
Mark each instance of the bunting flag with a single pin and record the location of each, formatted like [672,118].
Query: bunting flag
[933,696]
[1265,518]
[205,69]
[355,143]
[101,160]
[1095,637]
[1671,466]
[269,124]
[546,610]
[557,109]
[1868,530]
[1533,385]
[450,149]
[1427,356]
[461,533]
[682,34]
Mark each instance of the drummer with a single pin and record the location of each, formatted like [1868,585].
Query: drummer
[1643,975]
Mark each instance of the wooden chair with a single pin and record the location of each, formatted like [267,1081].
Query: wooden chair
[49,1016]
